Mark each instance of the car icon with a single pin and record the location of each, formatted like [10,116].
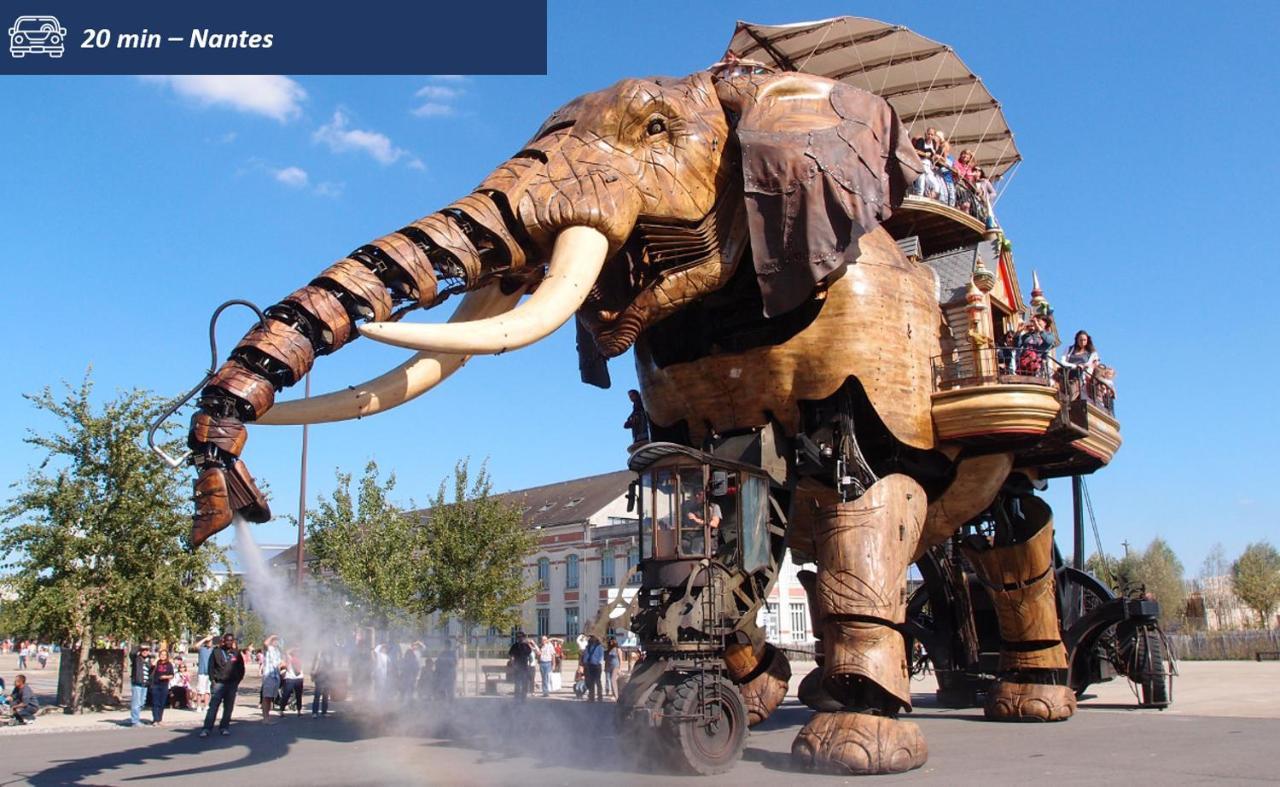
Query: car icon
[37,35]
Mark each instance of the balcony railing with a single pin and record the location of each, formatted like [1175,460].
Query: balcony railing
[966,196]
[968,368]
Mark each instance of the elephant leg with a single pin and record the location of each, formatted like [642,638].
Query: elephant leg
[862,549]
[1018,575]
[763,675]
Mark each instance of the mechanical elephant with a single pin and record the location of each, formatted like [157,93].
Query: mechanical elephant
[727,226]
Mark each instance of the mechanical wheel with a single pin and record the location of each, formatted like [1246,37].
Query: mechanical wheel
[705,724]
[1153,668]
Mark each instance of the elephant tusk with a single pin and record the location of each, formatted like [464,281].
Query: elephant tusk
[576,262]
[411,379]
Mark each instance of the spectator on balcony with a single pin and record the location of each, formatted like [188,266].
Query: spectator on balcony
[1034,344]
[944,165]
[984,196]
[928,184]
[1006,351]
[1080,360]
[964,169]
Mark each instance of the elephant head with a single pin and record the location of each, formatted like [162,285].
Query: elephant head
[628,204]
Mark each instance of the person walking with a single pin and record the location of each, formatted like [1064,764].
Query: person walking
[204,649]
[446,677]
[161,674]
[612,661]
[593,665]
[22,655]
[226,670]
[292,686]
[321,674]
[546,661]
[519,654]
[272,667]
[139,683]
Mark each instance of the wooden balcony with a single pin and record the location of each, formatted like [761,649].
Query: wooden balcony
[981,402]
[939,226]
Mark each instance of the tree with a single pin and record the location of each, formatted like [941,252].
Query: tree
[1212,571]
[97,537]
[1157,569]
[1255,576]
[475,547]
[1161,571]
[371,548]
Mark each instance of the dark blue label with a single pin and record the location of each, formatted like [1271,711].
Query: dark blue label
[271,36]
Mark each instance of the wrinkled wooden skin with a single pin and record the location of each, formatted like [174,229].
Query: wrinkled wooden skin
[653,164]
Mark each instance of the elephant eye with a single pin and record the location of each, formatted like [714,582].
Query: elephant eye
[656,126]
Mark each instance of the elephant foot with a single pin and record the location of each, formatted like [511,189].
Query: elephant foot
[859,744]
[1009,701]
[763,693]
[815,695]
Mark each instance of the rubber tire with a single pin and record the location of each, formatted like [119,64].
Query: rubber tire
[689,745]
[1153,666]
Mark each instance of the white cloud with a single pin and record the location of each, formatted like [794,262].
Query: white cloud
[439,100]
[433,109]
[338,135]
[274,96]
[328,189]
[438,92]
[294,177]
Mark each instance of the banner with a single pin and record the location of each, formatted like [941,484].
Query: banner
[239,37]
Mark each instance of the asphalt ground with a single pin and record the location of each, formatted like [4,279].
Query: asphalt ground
[493,741]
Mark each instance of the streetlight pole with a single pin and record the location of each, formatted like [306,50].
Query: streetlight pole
[302,493]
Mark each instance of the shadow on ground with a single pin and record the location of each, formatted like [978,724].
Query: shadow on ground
[551,733]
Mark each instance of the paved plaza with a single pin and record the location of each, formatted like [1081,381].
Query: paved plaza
[1223,727]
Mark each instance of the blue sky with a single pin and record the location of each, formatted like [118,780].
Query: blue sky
[129,208]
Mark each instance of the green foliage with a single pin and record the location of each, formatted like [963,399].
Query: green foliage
[370,548]
[1161,571]
[96,542]
[462,559]
[1157,569]
[475,547]
[1255,576]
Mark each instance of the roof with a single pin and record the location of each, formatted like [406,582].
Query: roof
[925,82]
[955,268]
[563,503]
[568,501]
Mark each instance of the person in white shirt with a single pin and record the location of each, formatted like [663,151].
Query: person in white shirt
[271,662]
[546,660]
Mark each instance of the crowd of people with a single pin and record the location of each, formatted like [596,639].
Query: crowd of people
[1027,351]
[595,677]
[957,181]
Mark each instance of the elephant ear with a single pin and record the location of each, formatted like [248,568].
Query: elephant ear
[823,163]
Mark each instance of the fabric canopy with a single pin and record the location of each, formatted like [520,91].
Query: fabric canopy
[924,81]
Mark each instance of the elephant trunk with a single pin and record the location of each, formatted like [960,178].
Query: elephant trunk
[466,246]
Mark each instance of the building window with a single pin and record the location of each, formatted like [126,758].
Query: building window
[571,627]
[606,570]
[544,621]
[633,560]
[544,574]
[771,620]
[571,572]
[799,622]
